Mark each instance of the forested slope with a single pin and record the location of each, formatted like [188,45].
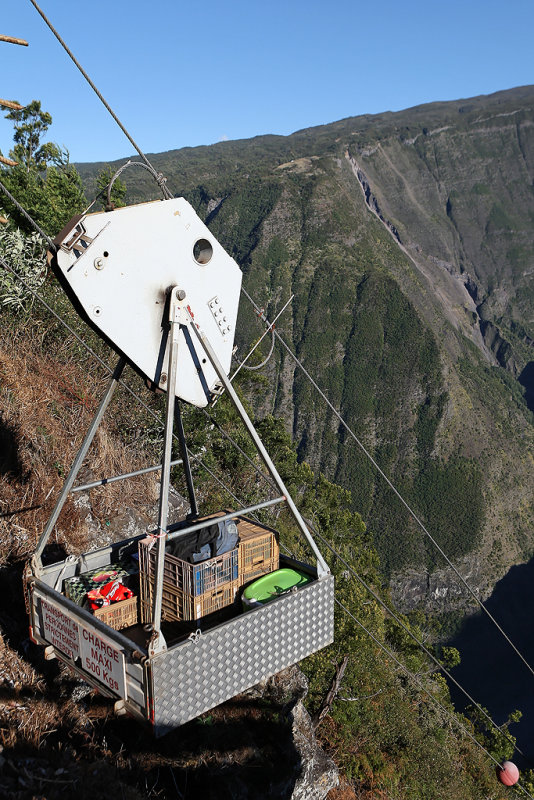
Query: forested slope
[384,730]
[406,239]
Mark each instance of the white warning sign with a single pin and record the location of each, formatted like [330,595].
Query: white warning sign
[102,660]
[60,630]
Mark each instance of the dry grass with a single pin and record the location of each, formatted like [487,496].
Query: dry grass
[45,409]
[16,673]
[56,741]
[52,742]
[342,792]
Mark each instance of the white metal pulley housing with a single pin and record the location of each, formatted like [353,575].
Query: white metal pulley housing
[118,266]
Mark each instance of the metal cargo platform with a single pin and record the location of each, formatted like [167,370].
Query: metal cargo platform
[174,324]
[203,669]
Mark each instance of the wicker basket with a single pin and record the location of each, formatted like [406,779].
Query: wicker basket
[76,588]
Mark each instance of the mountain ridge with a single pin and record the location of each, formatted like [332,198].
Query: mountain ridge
[498,97]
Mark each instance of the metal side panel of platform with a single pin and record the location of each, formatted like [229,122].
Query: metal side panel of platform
[199,674]
[103,657]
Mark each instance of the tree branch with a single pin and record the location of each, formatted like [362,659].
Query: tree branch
[332,692]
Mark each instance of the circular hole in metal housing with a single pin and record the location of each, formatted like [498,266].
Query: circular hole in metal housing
[202,251]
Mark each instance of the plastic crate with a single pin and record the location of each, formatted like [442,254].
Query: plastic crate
[119,615]
[177,606]
[193,579]
[258,551]
[202,605]
[189,590]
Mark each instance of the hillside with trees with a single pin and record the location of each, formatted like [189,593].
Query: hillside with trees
[406,239]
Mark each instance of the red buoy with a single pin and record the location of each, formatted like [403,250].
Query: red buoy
[508,774]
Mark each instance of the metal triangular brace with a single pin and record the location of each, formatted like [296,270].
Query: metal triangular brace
[322,566]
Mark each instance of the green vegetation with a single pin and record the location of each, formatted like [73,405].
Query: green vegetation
[385,734]
[118,190]
[364,320]
[456,528]
[26,255]
[248,203]
[44,181]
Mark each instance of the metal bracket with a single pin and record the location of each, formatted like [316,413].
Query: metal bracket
[49,653]
[157,644]
[177,316]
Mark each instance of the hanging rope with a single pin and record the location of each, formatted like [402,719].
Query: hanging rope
[242,364]
[261,315]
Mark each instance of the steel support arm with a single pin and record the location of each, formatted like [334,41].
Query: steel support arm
[322,567]
[185,459]
[37,563]
[176,317]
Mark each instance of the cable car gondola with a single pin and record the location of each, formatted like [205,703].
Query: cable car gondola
[155,284]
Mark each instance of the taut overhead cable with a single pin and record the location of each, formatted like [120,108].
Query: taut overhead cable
[161,178]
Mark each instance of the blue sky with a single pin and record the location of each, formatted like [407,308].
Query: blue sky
[181,74]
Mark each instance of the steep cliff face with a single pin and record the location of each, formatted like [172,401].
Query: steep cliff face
[460,196]
[397,345]
[406,241]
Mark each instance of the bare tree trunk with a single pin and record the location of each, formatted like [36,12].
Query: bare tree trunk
[332,692]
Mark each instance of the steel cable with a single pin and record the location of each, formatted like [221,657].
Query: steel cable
[410,633]
[256,367]
[452,716]
[204,466]
[167,194]
[129,163]
[196,459]
[297,361]
[161,178]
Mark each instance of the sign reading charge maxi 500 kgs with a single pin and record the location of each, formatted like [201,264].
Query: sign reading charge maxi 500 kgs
[99,656]
[102,660]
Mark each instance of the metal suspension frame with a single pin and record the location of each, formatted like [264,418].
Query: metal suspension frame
[180,319]
[157,642]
